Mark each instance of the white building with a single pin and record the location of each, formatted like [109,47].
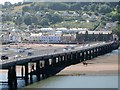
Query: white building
[50,39]
[34,37]
[85,16]
[4,38]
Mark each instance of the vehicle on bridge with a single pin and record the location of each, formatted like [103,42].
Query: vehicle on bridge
[30,53]
[4,57]
[17,56]
[21,51]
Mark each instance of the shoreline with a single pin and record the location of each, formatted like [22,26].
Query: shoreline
[105,65]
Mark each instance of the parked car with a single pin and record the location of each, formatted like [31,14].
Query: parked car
[6,48]
[17,56]
[30,53]
[21,50]
[27,48]
[4,57]
[65,49]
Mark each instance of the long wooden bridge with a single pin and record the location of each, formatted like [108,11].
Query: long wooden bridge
[45,65]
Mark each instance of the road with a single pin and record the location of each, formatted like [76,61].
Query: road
[49,51]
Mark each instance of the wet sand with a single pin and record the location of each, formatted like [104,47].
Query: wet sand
[102,65]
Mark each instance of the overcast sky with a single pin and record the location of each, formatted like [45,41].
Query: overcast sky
[15,1]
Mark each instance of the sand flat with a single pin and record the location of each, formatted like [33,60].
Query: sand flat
[102,65]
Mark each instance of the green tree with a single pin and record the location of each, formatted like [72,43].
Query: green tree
[58,6]
[56,18]
[75,6]
[92,7]
[86,8]
[26,8]
[7,5]
[19,20]
[34,20]
[117,31]
[44,22]
[28,20]
[105,9]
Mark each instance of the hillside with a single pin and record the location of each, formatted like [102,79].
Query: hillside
[19,8]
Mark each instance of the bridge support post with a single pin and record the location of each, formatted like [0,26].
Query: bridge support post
[54,61]
[59,60]
[78,57]
[95,52]
[74,58]
[86,55]
[46,68]
[102,50]
[69,59]
[12,79]
[26,74]
[22,71]
[38,70]
[82,56]
[65,59]
[42,70]
[99,51]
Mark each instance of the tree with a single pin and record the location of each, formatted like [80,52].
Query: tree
[26,8]
[44,22]
[19,20]
[117,31]
[105,9]
[6,17]
[115,17]
[76,6]
[19,3]
[56,18]
[28,20]
[34,20]
[86,8]
[7,5]
[92,7]
[58,6]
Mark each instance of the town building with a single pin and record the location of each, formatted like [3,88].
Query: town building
[84,36]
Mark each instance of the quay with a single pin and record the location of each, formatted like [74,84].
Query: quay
[45,65]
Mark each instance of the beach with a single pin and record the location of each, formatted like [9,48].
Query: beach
[102,65]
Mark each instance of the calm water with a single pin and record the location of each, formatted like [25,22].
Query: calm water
[77,82]
[70,81]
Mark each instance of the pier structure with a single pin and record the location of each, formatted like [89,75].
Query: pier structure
[46,65]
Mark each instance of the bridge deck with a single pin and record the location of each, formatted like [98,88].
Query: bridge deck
[50,53]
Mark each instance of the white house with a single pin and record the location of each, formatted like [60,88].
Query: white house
[93,17]
[64,13]
[85,16]
[75,14]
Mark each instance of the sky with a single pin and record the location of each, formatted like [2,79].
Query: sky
[15,1]
[12,1]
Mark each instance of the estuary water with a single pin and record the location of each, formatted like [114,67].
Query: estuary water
[77,82]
